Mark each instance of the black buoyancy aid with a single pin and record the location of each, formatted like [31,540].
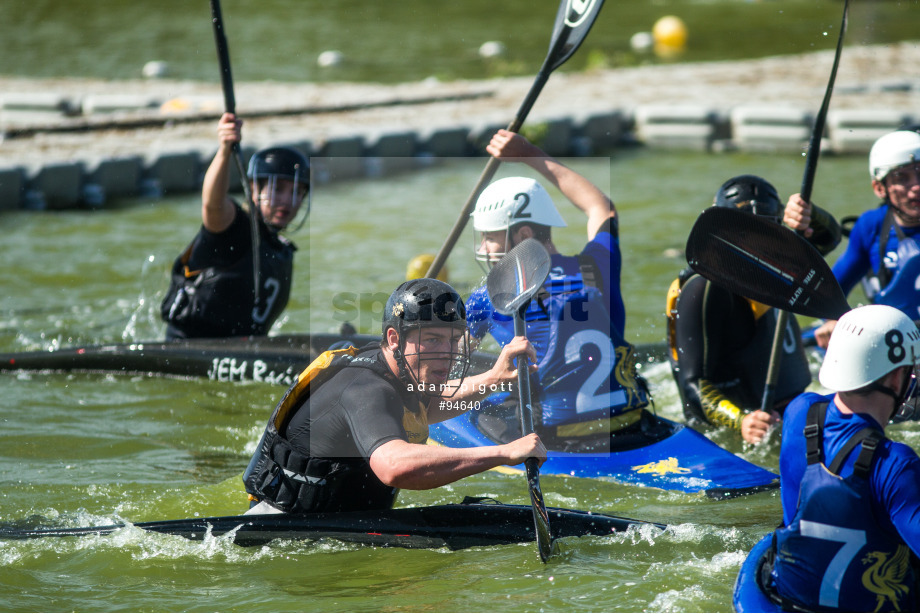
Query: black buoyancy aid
[834,555]
[752,361]
[297,483]
[219,301]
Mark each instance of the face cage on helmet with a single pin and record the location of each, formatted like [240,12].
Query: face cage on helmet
[296,199]
[487,261]
[910,404]
[910,219]
[459,361]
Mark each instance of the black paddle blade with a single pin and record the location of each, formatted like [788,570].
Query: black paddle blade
[814,144]
[763,261]
[573,22]
[515,278]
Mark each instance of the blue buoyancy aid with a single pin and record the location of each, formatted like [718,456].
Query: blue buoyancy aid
[834,555]
[903,291]
[586,369]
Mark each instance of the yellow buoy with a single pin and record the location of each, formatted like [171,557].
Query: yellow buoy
[419,266]
[670,32]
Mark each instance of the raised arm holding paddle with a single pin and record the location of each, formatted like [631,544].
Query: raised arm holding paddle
[573,22]
[235,277]
[717,350]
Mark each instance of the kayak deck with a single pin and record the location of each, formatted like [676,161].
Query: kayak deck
[673,457]
[455,526]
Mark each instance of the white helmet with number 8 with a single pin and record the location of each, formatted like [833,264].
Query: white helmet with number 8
[867,344]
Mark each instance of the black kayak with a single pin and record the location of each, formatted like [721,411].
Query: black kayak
[275,360]
[455,526]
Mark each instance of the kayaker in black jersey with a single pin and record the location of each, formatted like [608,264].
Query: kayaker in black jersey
[212,292]
[719,342]
[352,431]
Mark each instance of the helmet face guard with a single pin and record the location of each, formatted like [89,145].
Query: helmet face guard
[910,404]
[281,182]
[434,359]
[429,318]
[487,260]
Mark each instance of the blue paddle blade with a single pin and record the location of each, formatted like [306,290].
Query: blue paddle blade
[764,261]
[515,278]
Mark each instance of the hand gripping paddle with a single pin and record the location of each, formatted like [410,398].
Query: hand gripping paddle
[226,82]
[511,284]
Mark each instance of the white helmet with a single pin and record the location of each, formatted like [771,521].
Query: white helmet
[514,200]
[867,344]
[893,150]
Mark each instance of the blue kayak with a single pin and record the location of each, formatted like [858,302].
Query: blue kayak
[664,455]
[749,594]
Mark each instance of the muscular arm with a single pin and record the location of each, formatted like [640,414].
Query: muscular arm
[413,466]
[217,210]
[582,193]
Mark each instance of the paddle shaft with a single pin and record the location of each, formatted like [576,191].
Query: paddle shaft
[226,82]
[808,180]
[487,173]
[540,516]
[567,37]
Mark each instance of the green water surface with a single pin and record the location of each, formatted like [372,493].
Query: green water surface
[82,449]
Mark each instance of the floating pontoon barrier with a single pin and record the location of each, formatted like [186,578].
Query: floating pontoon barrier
[62,185]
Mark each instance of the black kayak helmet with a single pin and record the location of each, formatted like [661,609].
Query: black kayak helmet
[752,194]
[285,162]
[424,302]
[427,303]
[272,163]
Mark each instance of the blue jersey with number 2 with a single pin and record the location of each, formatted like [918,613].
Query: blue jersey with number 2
[586,369]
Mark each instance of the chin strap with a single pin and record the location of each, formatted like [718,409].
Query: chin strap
[423,396]
[910,219]
[899,399]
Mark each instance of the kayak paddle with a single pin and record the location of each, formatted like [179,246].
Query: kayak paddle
[763,261]
[808,180]
[573,22]
[226,82]
[511,284]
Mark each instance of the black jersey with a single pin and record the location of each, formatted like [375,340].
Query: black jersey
[315,453]
[211,292]
[720,352]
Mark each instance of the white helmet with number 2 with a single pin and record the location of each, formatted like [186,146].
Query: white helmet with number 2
[867,344]
[893,150]
[514,200]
